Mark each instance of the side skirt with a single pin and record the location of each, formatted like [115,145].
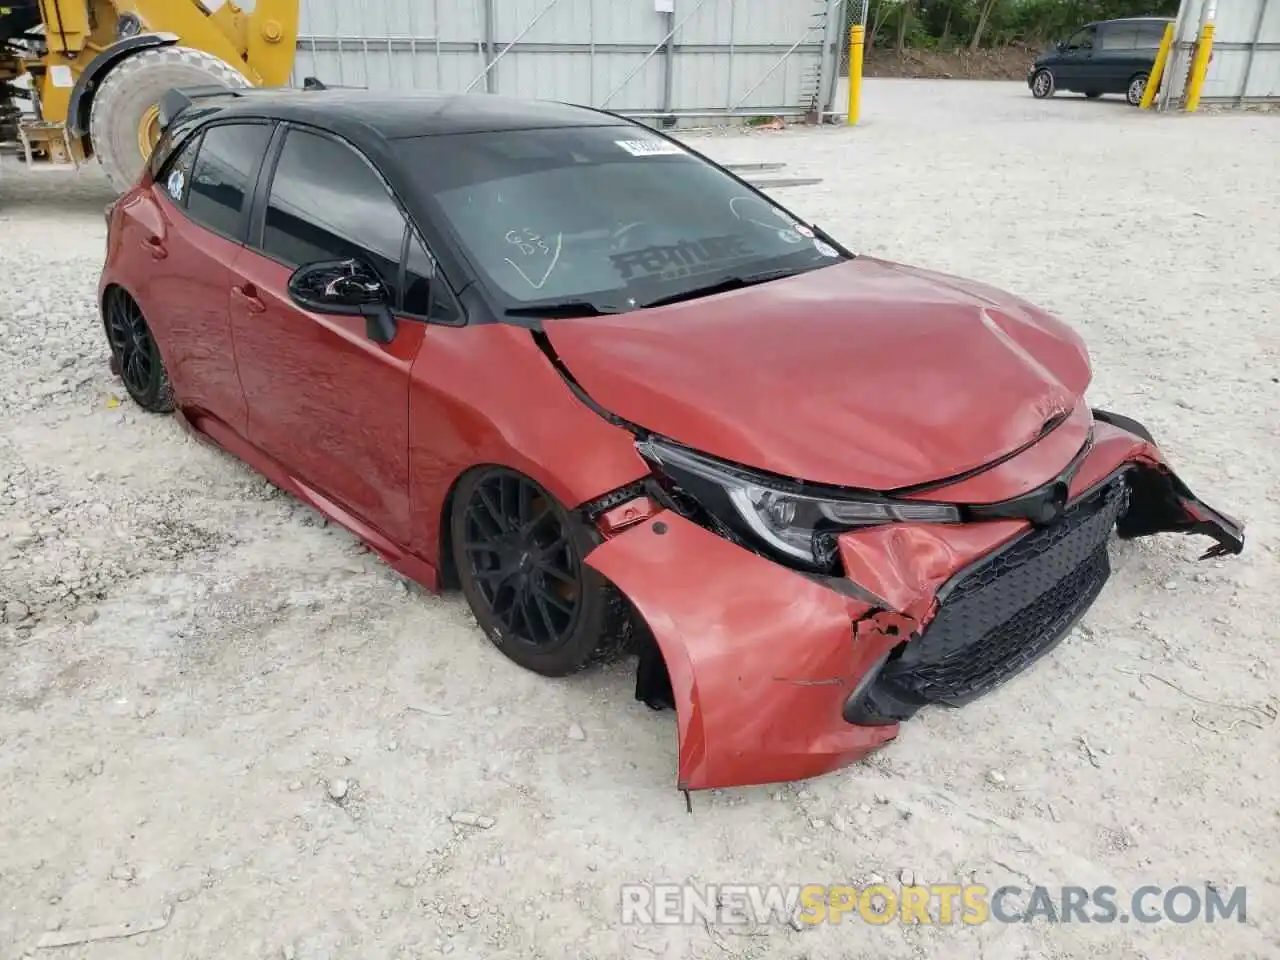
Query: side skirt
[213,431]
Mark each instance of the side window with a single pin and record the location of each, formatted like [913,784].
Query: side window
[1120,36]
[178,176]
[224,169]
[1149,36]
[1082,39]
[328,203]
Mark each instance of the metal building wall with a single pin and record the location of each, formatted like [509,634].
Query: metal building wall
[648,58]
[1246,52]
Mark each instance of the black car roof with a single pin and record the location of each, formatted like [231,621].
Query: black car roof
[394,116]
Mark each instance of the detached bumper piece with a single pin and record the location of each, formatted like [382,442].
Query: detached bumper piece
[780,675]
[1002,614]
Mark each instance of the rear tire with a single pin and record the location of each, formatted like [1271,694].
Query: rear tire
[134,353]
[520,557]
[126,98]
[1042,84]
[1137,86]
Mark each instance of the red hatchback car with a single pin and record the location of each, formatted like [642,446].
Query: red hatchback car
[628,403]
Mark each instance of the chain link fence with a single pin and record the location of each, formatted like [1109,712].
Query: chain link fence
[855,12]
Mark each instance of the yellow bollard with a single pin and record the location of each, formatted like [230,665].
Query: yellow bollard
[1157,70]
[1199,67]
[856,33]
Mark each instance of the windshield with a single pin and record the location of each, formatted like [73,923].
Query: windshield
[612,216]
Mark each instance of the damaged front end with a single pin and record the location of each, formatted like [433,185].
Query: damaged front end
[799,626]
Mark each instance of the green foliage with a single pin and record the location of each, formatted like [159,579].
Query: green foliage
[951,24]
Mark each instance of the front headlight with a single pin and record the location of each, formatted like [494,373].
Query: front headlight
[797,525]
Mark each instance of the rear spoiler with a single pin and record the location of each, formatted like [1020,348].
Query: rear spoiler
[179,99]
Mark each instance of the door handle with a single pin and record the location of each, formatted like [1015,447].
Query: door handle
[156,246]
[249,294]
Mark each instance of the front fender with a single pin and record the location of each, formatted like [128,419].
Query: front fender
[761,659]
[87,83]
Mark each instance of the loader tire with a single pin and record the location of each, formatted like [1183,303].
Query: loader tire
[122,111]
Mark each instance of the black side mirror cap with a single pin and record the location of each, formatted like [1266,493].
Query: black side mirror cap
[346,288]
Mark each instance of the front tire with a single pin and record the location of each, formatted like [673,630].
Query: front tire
[1137,86]
[520,560]
[123,121]
[134,353]
[1042,84]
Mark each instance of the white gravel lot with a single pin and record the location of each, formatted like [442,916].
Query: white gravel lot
[188,658]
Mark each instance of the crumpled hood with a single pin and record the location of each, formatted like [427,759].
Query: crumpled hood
[864,374]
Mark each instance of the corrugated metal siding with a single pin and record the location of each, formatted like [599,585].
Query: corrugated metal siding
[743,56]
[1246,51]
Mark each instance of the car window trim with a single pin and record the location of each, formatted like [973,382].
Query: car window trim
[262,188]
[262,199]
[254,174]
[410,234]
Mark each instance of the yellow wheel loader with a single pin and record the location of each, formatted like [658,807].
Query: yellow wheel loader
[82,79]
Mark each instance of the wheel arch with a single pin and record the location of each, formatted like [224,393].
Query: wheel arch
[535,471]
[90,79]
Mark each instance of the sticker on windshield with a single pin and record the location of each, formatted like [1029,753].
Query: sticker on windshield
[790,236]
[804,231]
[678,259]
[650,148]
[826,249]
[176,182]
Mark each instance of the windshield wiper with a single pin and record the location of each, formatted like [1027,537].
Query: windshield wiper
[562,309]
[734,281]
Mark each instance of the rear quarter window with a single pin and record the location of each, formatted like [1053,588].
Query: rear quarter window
[176,178]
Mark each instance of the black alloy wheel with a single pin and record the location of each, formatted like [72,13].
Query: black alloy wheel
[135,353]
[519,556]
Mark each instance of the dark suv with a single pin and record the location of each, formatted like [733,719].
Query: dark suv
[1109,56]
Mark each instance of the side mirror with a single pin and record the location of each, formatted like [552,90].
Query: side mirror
[346,288]
[1061,45]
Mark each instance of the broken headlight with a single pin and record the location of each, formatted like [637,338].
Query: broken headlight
[779,516]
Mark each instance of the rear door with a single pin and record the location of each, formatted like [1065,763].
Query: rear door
[193,224]
[329,404]
[1114,58]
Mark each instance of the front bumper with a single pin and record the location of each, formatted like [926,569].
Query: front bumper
[779,676]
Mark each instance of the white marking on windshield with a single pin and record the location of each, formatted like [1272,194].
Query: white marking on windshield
[538,285]
[650,148]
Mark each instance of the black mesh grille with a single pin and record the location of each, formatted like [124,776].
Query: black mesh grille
[1013,608]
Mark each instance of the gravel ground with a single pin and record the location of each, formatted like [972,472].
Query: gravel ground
[193,666]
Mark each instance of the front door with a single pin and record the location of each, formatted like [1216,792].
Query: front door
[1075,67]
[329,404]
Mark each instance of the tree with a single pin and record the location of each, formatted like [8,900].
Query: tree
[983,15]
